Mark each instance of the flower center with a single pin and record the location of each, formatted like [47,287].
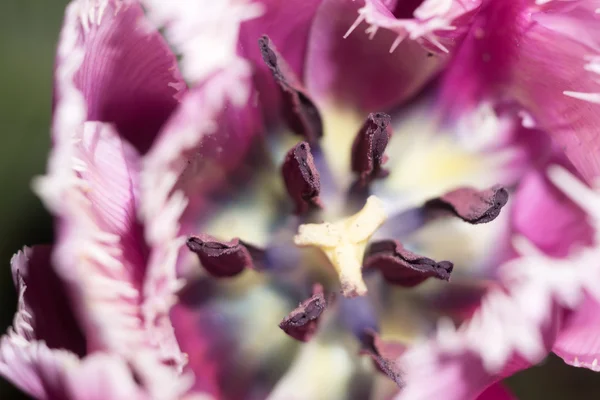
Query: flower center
[344,243]
[311,208]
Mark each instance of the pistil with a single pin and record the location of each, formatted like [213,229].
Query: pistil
[344,243]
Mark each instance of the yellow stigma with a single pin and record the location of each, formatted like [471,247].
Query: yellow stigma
[344,243]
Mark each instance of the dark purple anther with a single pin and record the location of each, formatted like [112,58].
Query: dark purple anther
[300,111]
[402,267]
[384,354]
[471,205]
[302,323]
[301,177]
[220,258]
[369,147]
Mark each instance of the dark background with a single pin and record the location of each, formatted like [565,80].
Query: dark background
[28,34]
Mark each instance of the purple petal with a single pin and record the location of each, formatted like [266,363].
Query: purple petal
[44,302]
[128,76]
[544,57]
[460,299]
[303,321]
[359,71]
[402,267]
[301,177]
[534,201]
[578,342]
[470,205]
[198,331]
[497,391]
[287,25]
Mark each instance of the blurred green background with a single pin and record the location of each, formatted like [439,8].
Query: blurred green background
[28,35]
[28,32]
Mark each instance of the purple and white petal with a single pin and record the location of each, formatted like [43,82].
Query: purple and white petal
[98,236]
[436,24]
[519,321]
[455,377]
[543,56]
[49,374]
[578,342]
[534,200]
[45,312]
[206,138]
[128,75]
[101,256]
[335,70]
[205,33]
[55,373]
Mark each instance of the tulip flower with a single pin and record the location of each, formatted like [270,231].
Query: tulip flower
[299,200]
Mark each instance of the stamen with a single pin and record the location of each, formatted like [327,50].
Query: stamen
[469,204]
[402,267]
[301,113]
[369,147]
[344,243]
[222,259]
[302,323]
[301,177]
[384,353]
